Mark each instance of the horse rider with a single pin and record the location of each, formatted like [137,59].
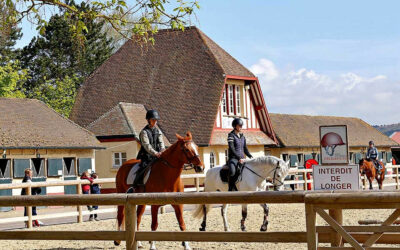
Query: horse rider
[372,154]
[237,151]
[152,145]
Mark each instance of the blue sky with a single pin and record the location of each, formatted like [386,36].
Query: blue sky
[346,51]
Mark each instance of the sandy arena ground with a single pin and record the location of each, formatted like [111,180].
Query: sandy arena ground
[283,217]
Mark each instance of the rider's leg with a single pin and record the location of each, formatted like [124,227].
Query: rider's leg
[232,171]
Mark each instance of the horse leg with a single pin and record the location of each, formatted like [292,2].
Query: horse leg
[370,182]
[154,223]
[120,221]
[244,216]
[224,208]
[204,223]
[265,222]
[179,216]
[139,214]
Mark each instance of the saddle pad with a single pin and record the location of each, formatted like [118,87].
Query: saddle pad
[132,175]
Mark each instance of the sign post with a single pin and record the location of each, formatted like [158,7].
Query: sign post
[335,172]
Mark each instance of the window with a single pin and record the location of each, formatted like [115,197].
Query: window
[212,160]
[238,111]
[226,155]
[119,159]
[231,103]
[285,157]
[224,102]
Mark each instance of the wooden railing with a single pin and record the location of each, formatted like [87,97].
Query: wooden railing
[315,203]
[78,183]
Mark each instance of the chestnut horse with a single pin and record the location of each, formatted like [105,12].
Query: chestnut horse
[164,177]
[368,168]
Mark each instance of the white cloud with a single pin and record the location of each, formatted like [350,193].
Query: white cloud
[305,91]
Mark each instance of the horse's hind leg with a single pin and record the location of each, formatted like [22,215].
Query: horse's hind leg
[265,222]
[370,183]
[224,208]
[204,223]
[244,216]
[179,216]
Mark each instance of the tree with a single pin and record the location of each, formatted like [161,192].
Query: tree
[54,55]
[11,75]
[151,14]
[9,34]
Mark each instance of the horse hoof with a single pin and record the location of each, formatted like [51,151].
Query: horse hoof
[263,228]
[202,229]
[116,243]
[243,229]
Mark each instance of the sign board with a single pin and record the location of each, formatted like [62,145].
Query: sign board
[336,177]
[334,145]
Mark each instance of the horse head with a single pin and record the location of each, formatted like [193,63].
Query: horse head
[191,152]
[361,166]
[282,170]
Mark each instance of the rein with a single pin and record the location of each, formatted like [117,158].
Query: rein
[274,177]
[187,166]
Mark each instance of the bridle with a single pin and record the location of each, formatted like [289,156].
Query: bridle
[186,166]
[274,177]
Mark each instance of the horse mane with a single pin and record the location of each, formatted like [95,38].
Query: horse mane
[264,160]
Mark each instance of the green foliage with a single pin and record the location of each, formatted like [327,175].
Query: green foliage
[10,76]
[150,15]
[58,94]
[54,59]
[9,34]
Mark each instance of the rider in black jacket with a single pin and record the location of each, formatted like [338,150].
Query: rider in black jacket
[237,151]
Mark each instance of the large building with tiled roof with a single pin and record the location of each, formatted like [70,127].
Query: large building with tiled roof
[298,137]
[32,135]
[193,83]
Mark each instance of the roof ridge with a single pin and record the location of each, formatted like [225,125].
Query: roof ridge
[70,121]
[103,115]
[332,116]
[128,120]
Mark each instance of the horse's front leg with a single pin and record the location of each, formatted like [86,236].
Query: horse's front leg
[204,223]
[370,182]
[139,214]
[265,222]
[154,223]
[224,209]
[244,216]
[179,216]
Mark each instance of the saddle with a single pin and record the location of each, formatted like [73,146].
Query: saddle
[138,175]
[224,173]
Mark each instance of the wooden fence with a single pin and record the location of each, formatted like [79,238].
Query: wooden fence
[359,237]
[78,183]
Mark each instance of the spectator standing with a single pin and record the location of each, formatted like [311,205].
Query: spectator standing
[86,187]
[94,189]
[35,191]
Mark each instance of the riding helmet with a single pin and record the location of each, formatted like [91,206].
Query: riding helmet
[371,143]
[152,114]
[237,121]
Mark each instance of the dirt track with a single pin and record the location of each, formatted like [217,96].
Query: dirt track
[283,217]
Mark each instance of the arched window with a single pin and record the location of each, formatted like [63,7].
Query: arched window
[212,160]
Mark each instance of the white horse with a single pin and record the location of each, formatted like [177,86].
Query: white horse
[254,174]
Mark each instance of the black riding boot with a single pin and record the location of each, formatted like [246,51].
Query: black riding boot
[231,184]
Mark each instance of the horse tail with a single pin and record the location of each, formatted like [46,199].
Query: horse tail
[198,213]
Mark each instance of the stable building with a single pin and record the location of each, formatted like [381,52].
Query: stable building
[298,137]
[193,83]
[34,136]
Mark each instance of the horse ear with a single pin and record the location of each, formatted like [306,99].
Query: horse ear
[180,138]
[189,135]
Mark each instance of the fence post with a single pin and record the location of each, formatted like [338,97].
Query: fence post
[130,226]
[79,208]
[29,209]
[305,180]
[312,240]
[397,177]
[336,239]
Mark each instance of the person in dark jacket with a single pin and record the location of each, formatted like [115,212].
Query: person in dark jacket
[152,145]
[372,155]
[34,191]
[94,189]
[237,151]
